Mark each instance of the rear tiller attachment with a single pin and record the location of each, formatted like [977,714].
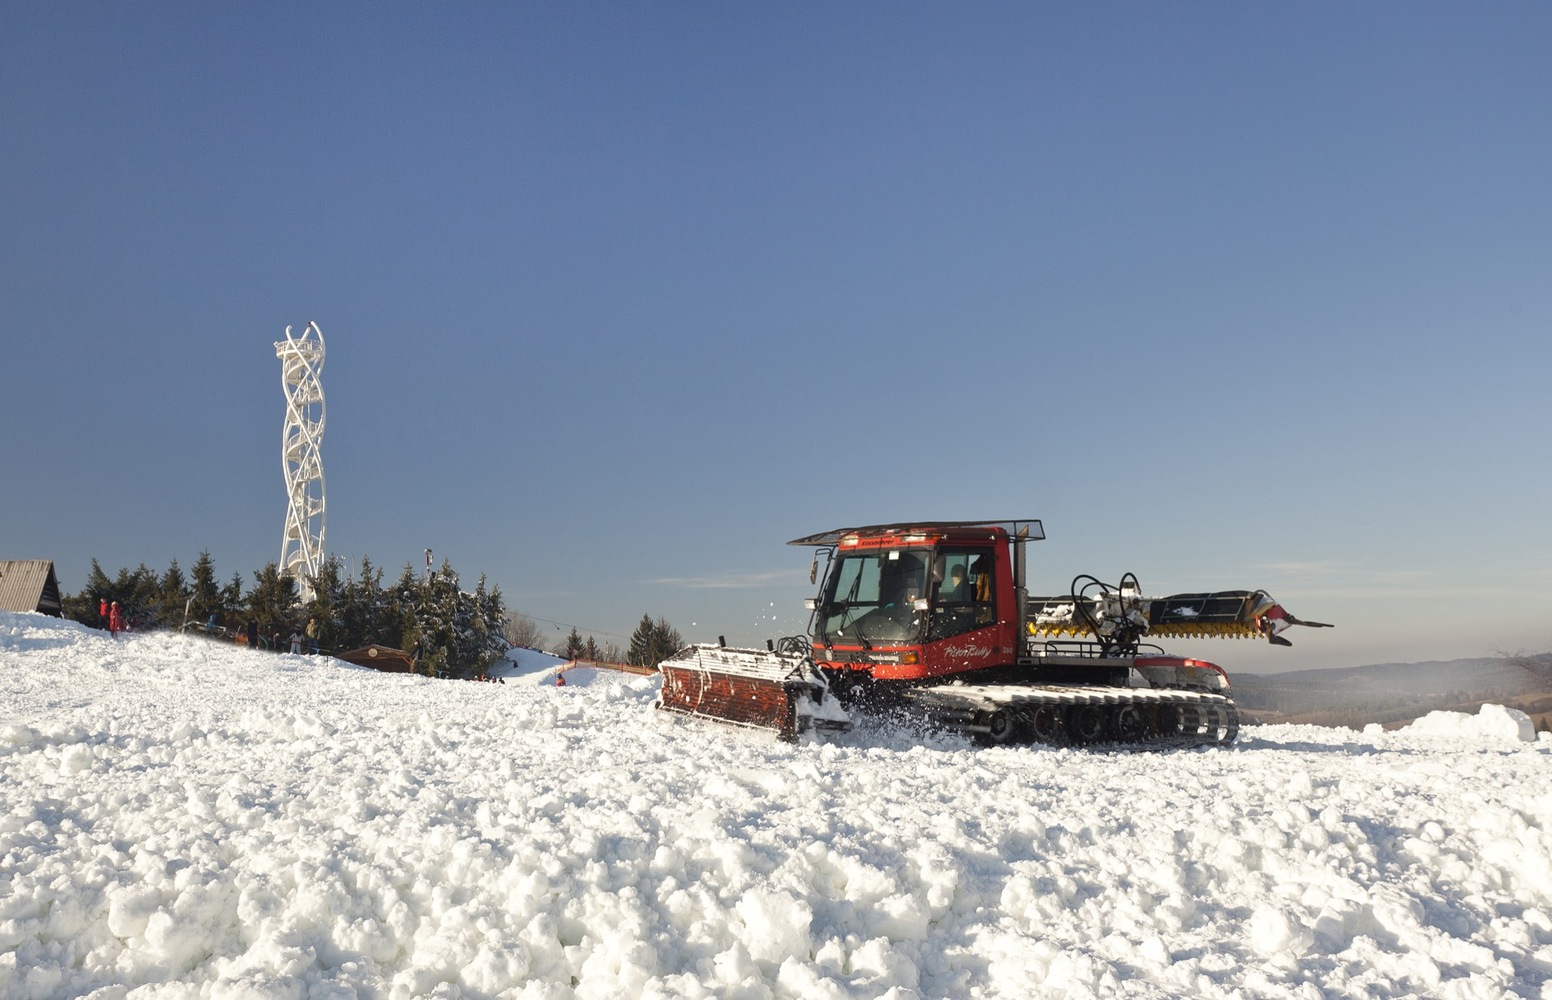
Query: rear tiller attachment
[777,689]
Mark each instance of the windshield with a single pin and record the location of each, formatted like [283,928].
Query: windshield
[868,597]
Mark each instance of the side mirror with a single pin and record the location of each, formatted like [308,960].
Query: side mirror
[811,603]
[813,568]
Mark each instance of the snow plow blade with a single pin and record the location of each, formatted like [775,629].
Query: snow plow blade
[777,690]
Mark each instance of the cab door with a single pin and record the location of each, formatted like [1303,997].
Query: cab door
[962,630]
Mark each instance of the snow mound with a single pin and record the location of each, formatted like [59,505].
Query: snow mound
[587,676]
[1492,722]
[523,661]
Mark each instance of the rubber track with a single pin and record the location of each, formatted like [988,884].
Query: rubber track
[970,707]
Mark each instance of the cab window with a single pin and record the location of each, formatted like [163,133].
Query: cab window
[965,599]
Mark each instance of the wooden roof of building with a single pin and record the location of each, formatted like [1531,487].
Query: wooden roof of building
[378,657]
[29,585]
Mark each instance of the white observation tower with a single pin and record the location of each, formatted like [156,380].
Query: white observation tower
[301,546]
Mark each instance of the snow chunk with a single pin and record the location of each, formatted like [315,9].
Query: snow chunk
[1273,934]
[776,925]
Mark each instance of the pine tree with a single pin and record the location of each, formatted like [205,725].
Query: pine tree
[138,594]
[363,610]
[438,614]
[204,589]
[232,594]
[456,634]
[591,651]
[403,620]
[642,646]
[173,596]
[490,615]
[466,636]
[323,611]
[574,645]
[469,631]
[274,605]
[377,610]
[669,641]
[653,642]
[86,606]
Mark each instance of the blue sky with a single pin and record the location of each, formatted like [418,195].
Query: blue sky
[619,298]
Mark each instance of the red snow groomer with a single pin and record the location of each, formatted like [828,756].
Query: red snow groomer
[933,618]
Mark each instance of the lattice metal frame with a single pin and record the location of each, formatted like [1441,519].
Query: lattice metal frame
[301,547]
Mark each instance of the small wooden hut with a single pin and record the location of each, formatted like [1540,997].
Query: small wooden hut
[29,585]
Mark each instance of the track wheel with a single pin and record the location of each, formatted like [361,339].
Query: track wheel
[1003,728]
[1131,725]
[1086,723]
[1045,725]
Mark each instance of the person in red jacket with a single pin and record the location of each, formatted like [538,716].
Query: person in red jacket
[115,619]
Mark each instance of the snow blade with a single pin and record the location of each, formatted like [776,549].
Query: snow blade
[780,691]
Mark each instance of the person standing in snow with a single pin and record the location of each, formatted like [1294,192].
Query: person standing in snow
[312,635]
[115,619]
[296,642]
[253,633]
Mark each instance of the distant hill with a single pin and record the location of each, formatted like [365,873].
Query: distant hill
[1394,694]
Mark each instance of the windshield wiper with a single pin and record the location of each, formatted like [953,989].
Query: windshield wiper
[850,602]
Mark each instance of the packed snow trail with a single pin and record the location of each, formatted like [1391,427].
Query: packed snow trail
[187,819]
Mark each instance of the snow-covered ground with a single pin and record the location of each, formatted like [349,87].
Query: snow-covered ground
[526,666]
[187,819]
